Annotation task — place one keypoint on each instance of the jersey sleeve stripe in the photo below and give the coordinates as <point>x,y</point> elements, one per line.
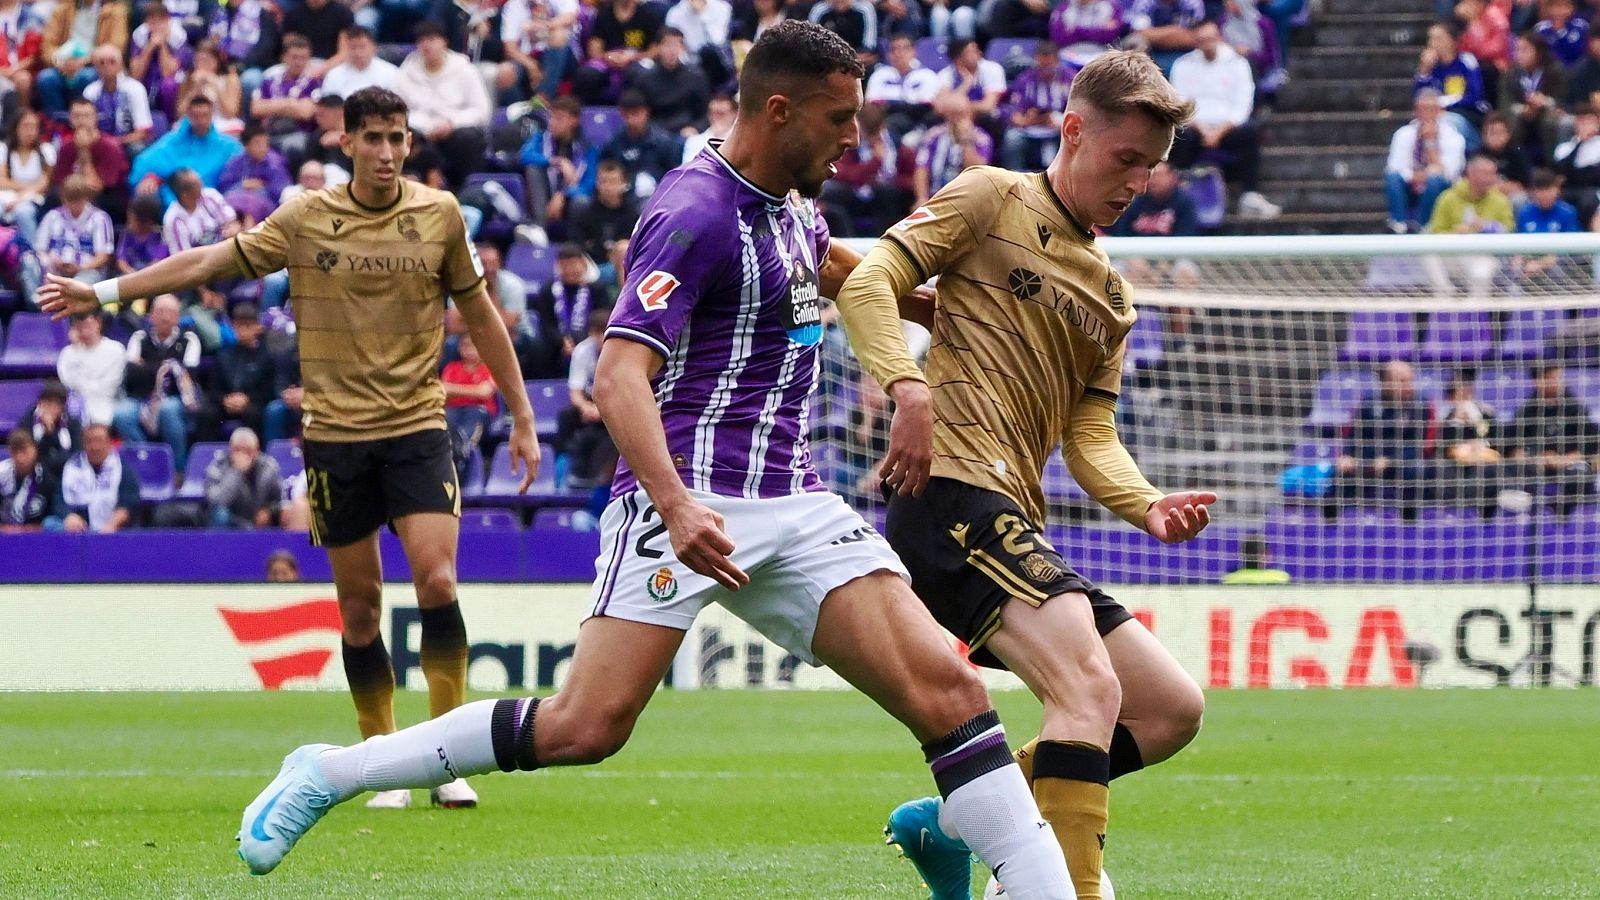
<point>1099,394</point>
<point>910,257</point>
<point>244,261</point>
<point>639,337</point>
<point>459,292</point>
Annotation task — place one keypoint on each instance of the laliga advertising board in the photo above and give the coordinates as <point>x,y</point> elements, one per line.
<point>252,637</point>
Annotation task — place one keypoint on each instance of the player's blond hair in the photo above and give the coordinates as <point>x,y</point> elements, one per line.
<point>1121,81</point>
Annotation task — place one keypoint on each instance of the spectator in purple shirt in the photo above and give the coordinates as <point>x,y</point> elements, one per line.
<point>285,104</point>
<point>1166,27</point>
<point>253,181</point>
<point>141,244</point>
<point>1565,33</point>
<point>248,34</point>
<point>121,103</point>
<point>1093,23</point>
<point>1033,109</point>
<point>158,52</point>
<point>951,148</point>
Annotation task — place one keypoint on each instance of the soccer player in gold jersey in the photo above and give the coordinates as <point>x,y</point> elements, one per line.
<point>1029,332</point>
<point>371,265</point>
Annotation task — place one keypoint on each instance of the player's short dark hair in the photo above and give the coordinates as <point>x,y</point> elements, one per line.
<point>428,28</point>
<point>19,440</point>
<point>371,102</point>
<point>358,31</point>
<point>330,101</point>
<point>292,41</point>
<point>1124,81</point>
<point>569,250</point>
<point>1543,178</point>
<point>788,54</point>
<point>146,208</point>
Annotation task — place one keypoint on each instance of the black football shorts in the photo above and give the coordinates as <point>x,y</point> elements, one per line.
<point>357,487</point>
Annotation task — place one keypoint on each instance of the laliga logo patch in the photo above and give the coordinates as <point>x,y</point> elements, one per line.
<point>920,214</point>
<point>655,289</point>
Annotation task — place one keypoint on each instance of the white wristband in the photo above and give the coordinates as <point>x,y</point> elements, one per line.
<point>107,291</point>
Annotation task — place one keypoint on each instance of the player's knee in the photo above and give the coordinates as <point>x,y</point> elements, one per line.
<point>361,616</point>
<point>1083,691</point>
<point>437,587</point>
<point>597,741</point>
<point>1184,716</point>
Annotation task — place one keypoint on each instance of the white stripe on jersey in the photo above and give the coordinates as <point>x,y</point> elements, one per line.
<point>705,441</point>
<point>801,457</point>
<point>675,365</point>
<point>759,441</point>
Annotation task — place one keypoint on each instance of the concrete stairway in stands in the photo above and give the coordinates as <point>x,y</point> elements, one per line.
<point>1349,88</point>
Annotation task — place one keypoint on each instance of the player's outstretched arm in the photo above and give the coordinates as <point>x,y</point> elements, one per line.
<point>628,406</point>
<point>62,297</point>
<point>489,333</point>
<point>1103,467</point>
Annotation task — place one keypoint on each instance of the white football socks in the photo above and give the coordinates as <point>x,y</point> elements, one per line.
<point>455,745</point>
<point>995,814</point>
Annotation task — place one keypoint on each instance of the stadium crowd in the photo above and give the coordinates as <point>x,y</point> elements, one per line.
<point>133,132</point>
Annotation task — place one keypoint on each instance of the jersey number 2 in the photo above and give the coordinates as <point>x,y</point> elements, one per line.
<point>642,549</point>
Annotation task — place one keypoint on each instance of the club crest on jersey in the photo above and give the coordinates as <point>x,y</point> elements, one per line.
<point>407,224</point>
<point>802,313</point>
<point>804,210</point>
<point>654,290</point>
<point>1114,291</point>
<point>662,586</point>
<point>920,214</point>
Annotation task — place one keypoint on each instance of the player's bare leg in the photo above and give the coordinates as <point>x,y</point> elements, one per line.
<point>879,637</point>
<point>430,541</point>
<point>1056,651</point>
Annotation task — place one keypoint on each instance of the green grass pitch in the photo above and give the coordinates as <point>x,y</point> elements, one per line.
<point>761,794</point>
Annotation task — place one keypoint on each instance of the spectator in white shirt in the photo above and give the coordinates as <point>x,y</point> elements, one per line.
<point>903,87</point>
<point>92,367</point>
<point>121,104</point>
<point>449,104</point>
<point>361,67</point>
<point>705,25</point>
<point>981,81</point>
<point>720,112</point>
<point>76,238</point>
<point>199,218</point>
<point>1426,156</point>
<point>1223,89</point>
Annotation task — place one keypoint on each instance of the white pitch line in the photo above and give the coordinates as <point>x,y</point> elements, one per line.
<point>885,775</point>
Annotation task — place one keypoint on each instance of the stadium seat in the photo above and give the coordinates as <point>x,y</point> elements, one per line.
<point>1337,396</point>
<point>1531,334</point>
<point>510,183</point>
<point>291,459</point>
<point>1504,390</point>
<point>549,397</point>
<point>1457,337</point>
<point>601,124</point>
<point>153,463</point>
<point>472,479</point>
<point>490,519</point>
<point>15,398</point>
<point>395,53</point>
<point>554,519</point>
<point>501,487</point>
<point>1210,195</point>
<point>1147,340</point>
<point>933,53</point>
<point>1378,336</point>
<point>32,344</point>
<point>1572,546</point>
<point>1014,54</point>
<point>535,265</point>
<point>194,473</point>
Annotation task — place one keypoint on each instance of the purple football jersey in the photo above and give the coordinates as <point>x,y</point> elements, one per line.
<point>722,282</point>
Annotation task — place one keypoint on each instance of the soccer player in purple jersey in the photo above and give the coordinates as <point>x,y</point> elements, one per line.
<point>703,380</point>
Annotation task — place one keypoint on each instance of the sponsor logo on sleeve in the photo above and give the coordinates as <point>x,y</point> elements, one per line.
<point>920,214</point>
<point>655,289</point>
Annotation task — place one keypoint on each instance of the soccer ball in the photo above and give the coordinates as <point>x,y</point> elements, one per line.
<point>995,890</point>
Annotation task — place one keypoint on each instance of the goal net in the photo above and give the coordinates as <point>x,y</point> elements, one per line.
<point>1403,433</point>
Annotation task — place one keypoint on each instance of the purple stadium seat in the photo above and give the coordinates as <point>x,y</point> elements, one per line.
<point>32,344</point>
<point>1504,390</point>
<point>1531,334</point>
<point>1379,336</point>
<point>1570,548</point>
<point>472,479</point>
<point>535,265</point>
<point>1338,394</point>
<point>1147,340</point>
<point>1060,488</point>
<point>512,184</point>
<point>15,398</point>
<point>501,487</point>
<point>601,124</point>
<point>1385,549</point>
<point>490,519</point>
<point>1584,385</point>
<point>1210,195</point>
<point>933,53</point>
<point>153,463</point>
<point>1013,53</point>
<point>194,472</point>
<point>549,397</point>
<point>1457,337</point>
<point>553,519</point>
<point>291,459</point>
